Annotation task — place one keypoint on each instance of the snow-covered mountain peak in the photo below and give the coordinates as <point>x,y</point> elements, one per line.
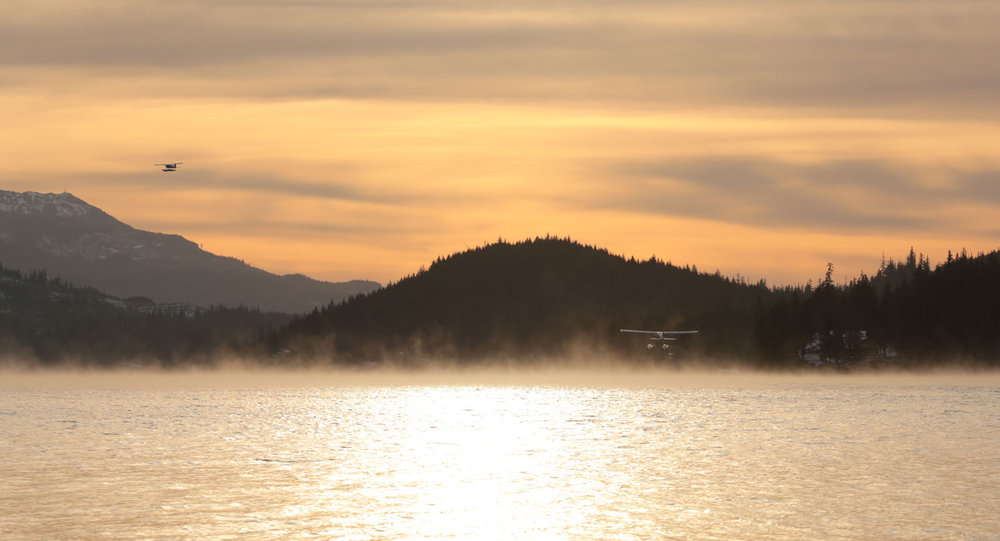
<point>26,203</point>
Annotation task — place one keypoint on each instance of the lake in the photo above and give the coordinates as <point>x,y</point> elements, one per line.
<point>543,455</point>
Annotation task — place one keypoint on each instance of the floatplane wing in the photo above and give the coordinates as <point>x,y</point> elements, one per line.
<point>658,335</point>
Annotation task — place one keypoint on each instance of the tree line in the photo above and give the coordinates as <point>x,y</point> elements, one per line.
<point>535,300</point>
<point>906,315</point>
<point>550,296</point>
<point>47,321</point>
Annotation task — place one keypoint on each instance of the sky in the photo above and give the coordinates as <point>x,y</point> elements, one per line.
<point>363,139</point>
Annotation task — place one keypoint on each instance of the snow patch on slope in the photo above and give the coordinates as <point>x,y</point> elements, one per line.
<point>27,203</point>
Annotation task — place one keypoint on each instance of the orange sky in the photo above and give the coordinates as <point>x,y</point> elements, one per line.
<point>364,139</point>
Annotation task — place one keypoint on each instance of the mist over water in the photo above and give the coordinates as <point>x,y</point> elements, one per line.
<point>587,373</point>
<point>590,453</point>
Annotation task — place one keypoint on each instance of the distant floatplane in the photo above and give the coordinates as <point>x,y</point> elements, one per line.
<point>168,167</point>
<point>658,336</point>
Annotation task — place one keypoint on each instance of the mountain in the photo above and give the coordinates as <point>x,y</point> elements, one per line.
<point>541,297</point>
<point>82,244</point>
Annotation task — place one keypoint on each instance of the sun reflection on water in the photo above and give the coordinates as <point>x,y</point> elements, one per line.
<point>483,461</point>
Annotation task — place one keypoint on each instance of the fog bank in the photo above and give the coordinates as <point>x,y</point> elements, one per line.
<point>563,376</point>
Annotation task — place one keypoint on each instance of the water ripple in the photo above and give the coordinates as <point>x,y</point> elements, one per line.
<point>506,462</point>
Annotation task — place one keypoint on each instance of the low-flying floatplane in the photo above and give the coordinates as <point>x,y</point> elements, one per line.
<point>658,336</point>
<point>168,167</point>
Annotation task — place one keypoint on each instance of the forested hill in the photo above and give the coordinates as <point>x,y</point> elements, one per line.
<point>535,300</point>
<point>545,296</point>
<point>47,321</point>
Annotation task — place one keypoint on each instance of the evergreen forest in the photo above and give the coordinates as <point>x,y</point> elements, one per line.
<point>551,297</point>
<point>535,301</point>
<point>49,322</point>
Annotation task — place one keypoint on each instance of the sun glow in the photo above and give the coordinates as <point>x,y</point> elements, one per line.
<point>480,463</point>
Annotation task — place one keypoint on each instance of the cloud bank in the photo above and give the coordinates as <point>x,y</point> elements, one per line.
<point>352,139</point>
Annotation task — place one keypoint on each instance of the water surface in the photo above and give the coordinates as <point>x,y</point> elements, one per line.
<point>646,456</point>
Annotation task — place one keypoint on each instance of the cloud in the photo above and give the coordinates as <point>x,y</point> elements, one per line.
<point>834,195</point>
<point>277,185</point>
<point>981,185</point>
<point>424,125</point>
<point>777,52</point>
